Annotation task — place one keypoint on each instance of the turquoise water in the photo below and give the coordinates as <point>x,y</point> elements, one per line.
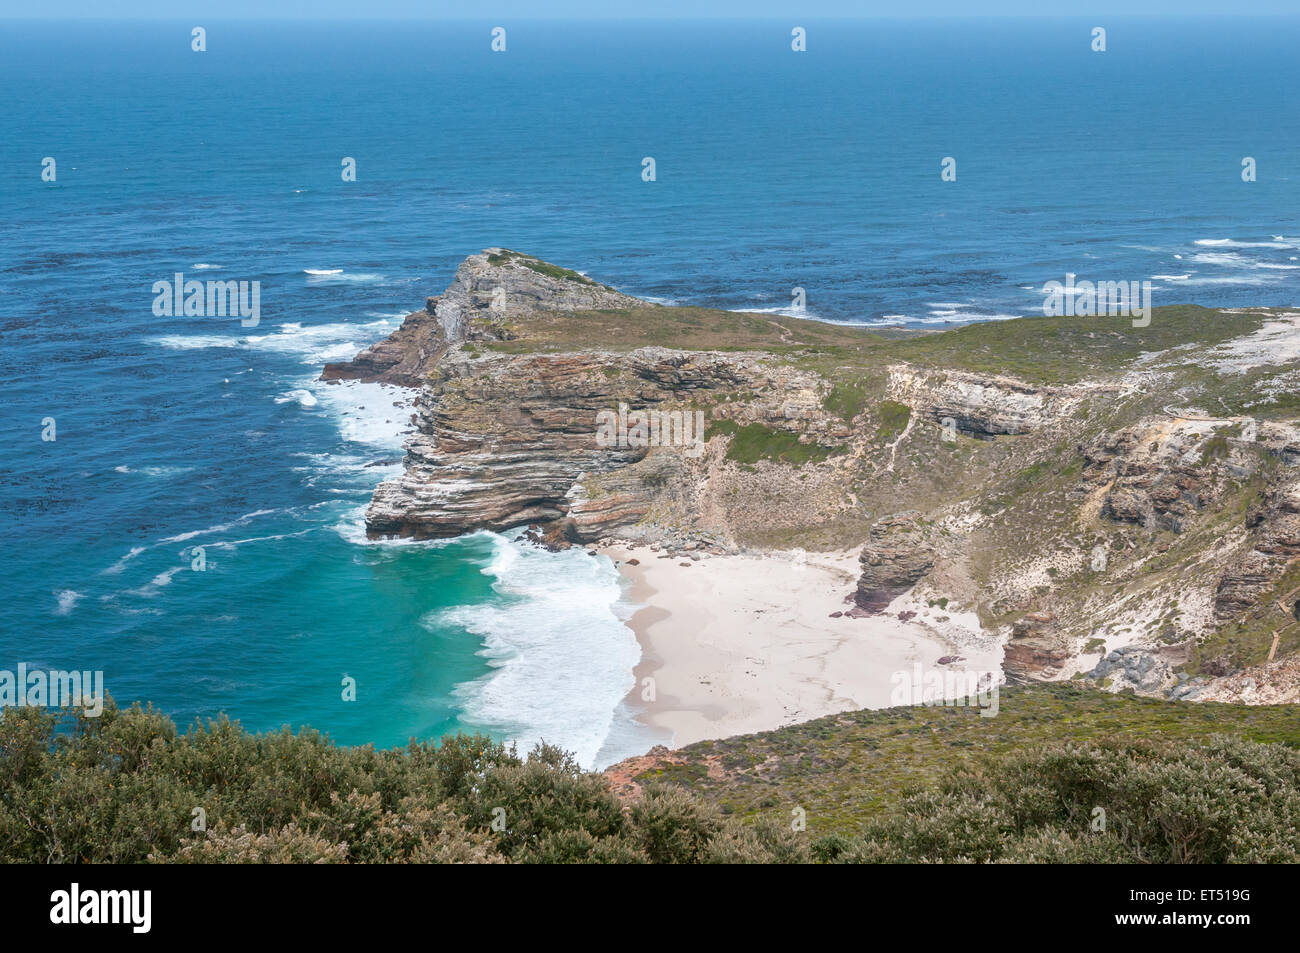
<point>774,169</point>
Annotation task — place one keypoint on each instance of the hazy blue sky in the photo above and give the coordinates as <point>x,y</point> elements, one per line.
<point>784,9</point>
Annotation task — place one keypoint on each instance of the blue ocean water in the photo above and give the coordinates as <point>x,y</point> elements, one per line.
<point>774,169</point>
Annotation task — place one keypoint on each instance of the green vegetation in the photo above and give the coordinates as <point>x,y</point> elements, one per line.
<point>901,785</point>
<point>539,266</point>
<point>893,418</point>
<point>753,442</point>
<point>1067,349</point>
<point>848,771</point>
<point>622,329</point>
<point>846,399</point>
<point>126,788</point>
<point>1222,802</point>
<point>1214,448</point>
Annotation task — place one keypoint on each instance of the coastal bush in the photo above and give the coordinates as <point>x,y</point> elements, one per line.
<point>753,442</point>
<point>126,787</point>
<point>846,399</point>
<point>1225,801</point>
<point>893,418</point>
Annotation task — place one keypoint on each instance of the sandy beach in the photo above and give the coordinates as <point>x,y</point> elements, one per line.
<point>744,643</point>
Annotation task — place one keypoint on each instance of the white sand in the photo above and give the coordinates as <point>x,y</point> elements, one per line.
<point>739,644</point>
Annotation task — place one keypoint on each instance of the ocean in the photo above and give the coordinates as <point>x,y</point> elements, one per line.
<point>773,170</point>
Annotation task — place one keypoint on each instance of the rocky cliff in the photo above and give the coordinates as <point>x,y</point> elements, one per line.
<point>491,293</point>
<point>1119,505</point>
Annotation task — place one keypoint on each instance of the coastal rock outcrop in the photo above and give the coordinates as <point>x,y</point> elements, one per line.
<point>504,440</point>
<point>492,293</point>
<point>897,555</point>
<point>1275,537</point>
<point>979,404</point>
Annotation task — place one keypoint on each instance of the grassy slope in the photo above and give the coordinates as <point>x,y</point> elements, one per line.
<point>845,770</point>
<point>1037,349</point>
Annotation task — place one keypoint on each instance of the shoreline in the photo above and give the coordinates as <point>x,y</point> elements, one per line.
<point>737,644</point>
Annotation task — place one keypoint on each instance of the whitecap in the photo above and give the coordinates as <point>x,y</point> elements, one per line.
<point>68,600</point>
<point>303,398</point>
<point>118,566</point>
<point>219,528</point>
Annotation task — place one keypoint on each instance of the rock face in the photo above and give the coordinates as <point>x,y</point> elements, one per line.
<point>897,555</point>
<point>402,358</point>
<point>1275,533</point>
<point>506,440</point>
<point>491,292</point>
<point>1136,668</point>
<point>1035,648</point>
<point>978,404</point>
<point>1154,475</point>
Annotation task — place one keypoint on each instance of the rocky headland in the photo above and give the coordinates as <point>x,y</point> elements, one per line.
<point>1118,506</point>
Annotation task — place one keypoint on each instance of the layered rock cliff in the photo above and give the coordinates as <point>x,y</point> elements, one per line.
<point>1034,474</point>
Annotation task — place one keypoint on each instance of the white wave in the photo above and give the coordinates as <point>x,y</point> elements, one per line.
<point>1171,277</point>
<point>338,274</point>
<point>1223,258</point>
<point>963,317</point>
<point>562,658</point>
<point>1230,243</point>
<point>314,344</point>
<point>1070,291</point>
<point>192,342</point>
<point>118,566</point>
<point>366,412</point>
<point>236,543</point>
<point>204,266</point>
<point>154,471</point>
<point>68,600</point>
<point>788,311</point>
<point>1239,279</point>
<point>303,398</point>
<point>151,588</point>
<point>219,528</point>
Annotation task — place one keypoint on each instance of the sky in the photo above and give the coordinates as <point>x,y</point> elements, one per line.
<point>587,9</point>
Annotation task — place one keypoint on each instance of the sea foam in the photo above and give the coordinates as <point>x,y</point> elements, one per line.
<point>562,657</point>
